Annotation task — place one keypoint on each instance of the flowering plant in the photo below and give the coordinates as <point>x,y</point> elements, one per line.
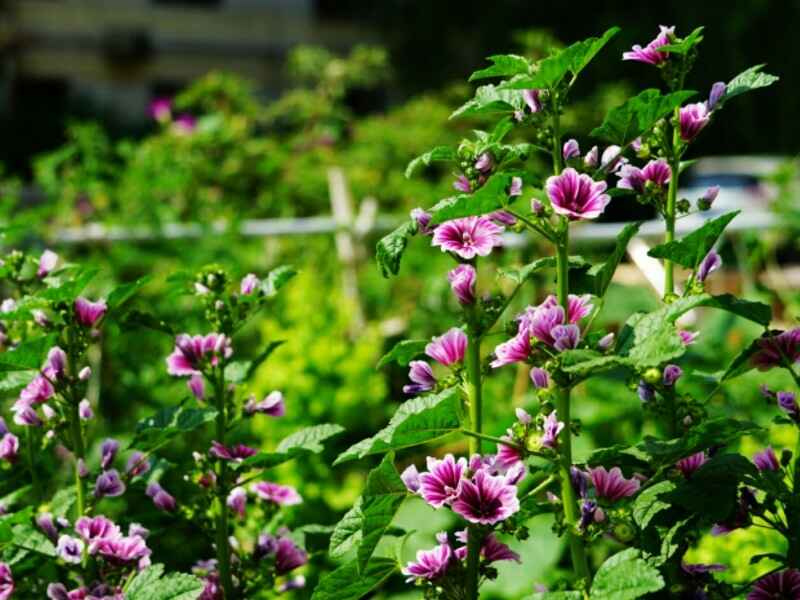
<point>654,498</point>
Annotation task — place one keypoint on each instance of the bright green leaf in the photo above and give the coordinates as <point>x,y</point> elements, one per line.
<point>380,501</point>
<point>390,248</point>
<point>504,65</point>
<point>440,153</point>
<point>156,430</point>
<point>152,584</point>
<point>491,196</point>
<point>748,80</point>
<point>625,576</point>
<point>690,250</point>
<point>403,352</point>
<point>347,582</point>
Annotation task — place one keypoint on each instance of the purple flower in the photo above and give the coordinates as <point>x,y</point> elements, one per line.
<point>462,184</point>
<point>37,391</point>
<point>540,378</point>
<point>533,98</point>
<point>282,495</point>
<point>550,430</point>
<point>484,163</point>
<point>421,374</point>
<point>40,317</point>
<point>690,464</point>
<point>191,351</point>
<point>137,464</point>
<point>468,237</point>
<point>462,282</point>
<point>123,550</point>
<point>606,342</point>
<point>273,405</point>
<point>612,159</point>
<point>515,189</point>
<point>693,117</point>
<point>410,477</point>
<point>45,522</point>
<point>576,195</point>
<point>162,499</point>
<point>197,386</point>
<point>92,529</point>
<point>70,549</point>
<point>486,499</point>
<point>571,149</point>
<point>688,337</point>
<point>449,348</point>
<point>783,584</point>
<point>236,453</point>
<point>6,582</point>
<point>249,284</point>
<point>56,364</point>
<point>611,485</point>
<point>288,556</point>
<point>766,460</point>
<point>430,564</point>
<point>423,220</point>
<point>237,501</point>
<point>109,484</point>
<point>773,349</point>
<point>108,451</point>
<point>788,404</point>
<point>700,569</point>
<point>592,158</point>
<point>502,217</point>
<point>522,415</point>
<point>507,455</point>
<point>717,92</point>
<point>184,124</point>
<point>537,207</point>
<point>25,415</point>
<point>671,374</point>
<point>89,313</point>
<point>9,447</point>
<point>565,337</point>
<point>47,262</point>
<point>540,321</point>
<point>709,196</point>
<point>439,485</point>
<point>651,54</point>
<point>588,510</point>
<point>633,178</point>
<point>708,265</point>
<point>494,550</point>
<point>85,411</point>
<point>160,109</point>
<point>517,349</point>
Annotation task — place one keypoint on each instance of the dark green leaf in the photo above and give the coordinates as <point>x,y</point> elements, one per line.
<point>504,65</point>
<point>152,584</point>
<point>390,248</point>
<point>382,497</point>
<point>347,582</point>
<point>628,459</point>
<point>742,363</point>
<point>491,196</point>
<point>28,355</point>
<point>693,248</point>
<point>648,503</point>
<point>625,576</point>
<point>137,318</point>
<point>403,352</point>
<point>568,595</point>
<point>239,371</point>
<point>748,80</point>
<point>758,312</point>
<point>638,115</point>
<point>315,537</point>
<point>71,288</point>
<point>417,421</point>
<point>440,153</point>
<point>276,279</point>
<point>167,423</point>
<point>686,44</point>
<point>347,533</point>
<point>121,294</point>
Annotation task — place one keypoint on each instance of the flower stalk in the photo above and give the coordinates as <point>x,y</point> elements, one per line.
<point>475,400</point>
<point>222,526</point>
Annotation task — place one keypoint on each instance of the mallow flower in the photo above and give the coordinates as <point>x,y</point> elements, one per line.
<point>687,466</point>
<point>9,447</point>
<point>708,265</point>
<point>429,564</point>
<point>633,178</point>
<point>273,405</point>
<point>577,196</point>
<point>766,460</point>
<point>288,556</point>
<point>692,119</point>
<point>421,376</point>
<point>191,352</point>
<point>571,149</point>
<point>449,348</point>
<point>773,348</point>
<point>611,485</point>
<point>468,237</point>
<point>774,586</point>
<point>109,484</point>
<point>282,495</point>
<point>70,549</point>
<point>550,430</point>
<point>462,281</point>
<point>486,499</point>
<point>717,93</point>
<point>439,484</point>
<point>88,313</point>
<point>651,54</point>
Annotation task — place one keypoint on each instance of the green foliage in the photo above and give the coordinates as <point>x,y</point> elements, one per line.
<point>380,501</point>
<point>403,352</point>
<point>440,153</point>
<point>28,355</point>
<point>301,443</point>
<point>690,250</point>
<point>348,582</point>
<point>491,196</point>
<point>747,81</point>
<point>391,247</point>
<point>152,584</point>
<point>685,45</point>
<point>168,423</point>
<point>625,576</point>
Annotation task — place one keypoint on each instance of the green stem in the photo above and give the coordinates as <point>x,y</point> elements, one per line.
<point>79,451</point>
<point>490,438</point>
<point>37,491</point>
<point>223,546</point>
<point>474,397</point>
<point>580,564</point>
<point>670,209</point>
<point>793,555</point>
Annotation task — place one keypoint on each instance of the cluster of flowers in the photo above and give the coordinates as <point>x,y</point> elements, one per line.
<point>161,110</point>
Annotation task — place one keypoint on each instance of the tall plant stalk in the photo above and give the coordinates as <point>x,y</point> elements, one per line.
<point>223,546</point>
<point>670,208</point>
<point>475,400</point>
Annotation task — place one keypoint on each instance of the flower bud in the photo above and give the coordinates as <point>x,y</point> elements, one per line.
<point>652,375</point>
<point>85,373</point>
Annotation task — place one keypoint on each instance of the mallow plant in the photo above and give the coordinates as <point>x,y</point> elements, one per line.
<point>654,498</point>
<point>64,534</point>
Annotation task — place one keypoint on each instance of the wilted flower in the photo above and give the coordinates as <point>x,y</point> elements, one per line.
<point>693,118</point>
<point>421,375</point>
<point>576,195</point>
<point>533,99</point>
<point>690,464</point>
<point>273,405</point>
<point>611,485</point>
<point>550,430</point>
<point>486,499</point>
<point>766,460</point>
<point>671,374</point>
<point>47,262</point>
<point>449,348</point>
<point>190,352</point>
<point>774,349</point>
<point>468,237</point>
<point>708,265</point>
<point>571,149</point>
<point>249,284</point>
<point>717,92</point>
<point>439,485</point>
<point>109,484</point>
<point>462,282</point>
<point>70,549</point>
<point>282,495</point>
<point>774,586</point>
<point>89,313</point>
<point>651,54</point>
<point>430,564</point>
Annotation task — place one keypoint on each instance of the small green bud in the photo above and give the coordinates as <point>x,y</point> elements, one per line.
<point>624,532</point>
<point>652,375</point>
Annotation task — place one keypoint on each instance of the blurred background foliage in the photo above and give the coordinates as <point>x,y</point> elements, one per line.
<point>369,111</point>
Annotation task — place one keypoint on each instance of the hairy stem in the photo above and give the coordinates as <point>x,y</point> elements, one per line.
<point>79,451</point>
<point>223,546</point>
<point>474,397</point>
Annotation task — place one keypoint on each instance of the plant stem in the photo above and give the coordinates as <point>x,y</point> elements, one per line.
<point>37,492</point>
<point>223,546</point>
<point>475,399</point>
<point>580,564</point>
<point>793,555</point>
<point>79,450</point>
<point>670,209</point>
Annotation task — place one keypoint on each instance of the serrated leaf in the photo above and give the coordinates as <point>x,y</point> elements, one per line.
<point>604,273</point>
<point>693,248</point>
<point>649,503</point>
<point>686,44</point>
<point>156,430</point>
<point>417,421</point>
<point>121,294</point>
<point>301,443</point>
<point>625,576</point>
<point>381,499</point>
<point>137,318</point>
<point>437,154</point>
<point>522,274</point>
<point>748,80</point>
<point>568,595</point>
<point>347,533</point>
<point>403,352</point>
<point>490,99</point>
<point>348,583</point>
<point>152,584</point>
<point>13,381</point>
<point>28,537</point>
<point>503,65</point>
<point>741,363</point>
<point>491,196</point>
<point>390,248</point>
<point>28,355</point>
<point>638,115</point>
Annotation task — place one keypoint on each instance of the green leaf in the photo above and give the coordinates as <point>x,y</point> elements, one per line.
<point>742,363</point>
<point>568,595</point>
<point>71,288</point>
<point>382,497</point>
<point>301,443</point>
<point>504,65</point>
<point>490,99</point>
<point>347,533</point>
<point>522,274</point>
<point>604,273</point>
<point>417,421</point>
<point>152,584</point>
<point>748,80</point>
<point>648,503</point>
<point>349,583</point>
<point>239,371</point>
<point>156,430</point>
<point>276,279</point>
<point>28,355</point>
<point>137,318</point>
<point>693,248</point>
<point>758,312</point>
<point>638,115</point>
<point>625,576</point>
<point>121,294</point>
<point>686,44</point>
<point>491,196</point>
<point>439,153</point>
<point>13,381</point>
<point>27,536</point>
<point>390,248</point>
<point>403,352</point>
